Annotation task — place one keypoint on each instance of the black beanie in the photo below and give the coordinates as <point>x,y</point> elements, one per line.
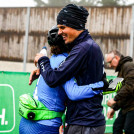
<point>73,16</point>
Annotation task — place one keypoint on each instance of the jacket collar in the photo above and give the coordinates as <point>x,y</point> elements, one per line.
<point>82,36</point>
<point>122,61</point>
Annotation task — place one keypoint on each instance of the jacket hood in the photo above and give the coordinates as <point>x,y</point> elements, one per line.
<point>122,61</point>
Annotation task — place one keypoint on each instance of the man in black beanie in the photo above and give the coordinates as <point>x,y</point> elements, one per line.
<point>73,16</point>
<point>85,62</point>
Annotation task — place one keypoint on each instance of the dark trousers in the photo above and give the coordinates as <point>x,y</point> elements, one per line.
<point>75,129</point>
<point>124,121</point>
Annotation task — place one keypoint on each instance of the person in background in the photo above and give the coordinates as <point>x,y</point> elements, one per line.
<point>85,62</point>
<point>124,100</point>
<point>55,98</point>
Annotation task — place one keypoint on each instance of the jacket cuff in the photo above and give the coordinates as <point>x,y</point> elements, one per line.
<point>115,99</point>
<point>115,107</point>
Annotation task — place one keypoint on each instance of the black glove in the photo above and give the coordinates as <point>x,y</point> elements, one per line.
<point>106,84</point>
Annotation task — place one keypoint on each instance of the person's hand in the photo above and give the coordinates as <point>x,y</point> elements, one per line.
<point>111,102</point>
<point>34,75</point>
<point>110,113</point>
<point>38,55</point>
<point>61,129</point>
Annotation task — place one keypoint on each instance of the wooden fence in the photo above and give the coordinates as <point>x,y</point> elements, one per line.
<point>109,26</point>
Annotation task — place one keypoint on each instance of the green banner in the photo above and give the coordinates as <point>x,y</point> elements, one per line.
<point>109,122</point>
<point>14,84</point>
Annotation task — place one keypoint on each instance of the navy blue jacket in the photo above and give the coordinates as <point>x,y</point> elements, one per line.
<point>85,62</point>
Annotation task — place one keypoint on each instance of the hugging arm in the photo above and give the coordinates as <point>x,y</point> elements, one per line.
<point>66,71</point>
<point>75,92</point>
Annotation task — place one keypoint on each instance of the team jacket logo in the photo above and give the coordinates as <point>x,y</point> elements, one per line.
<point>42,66</point>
